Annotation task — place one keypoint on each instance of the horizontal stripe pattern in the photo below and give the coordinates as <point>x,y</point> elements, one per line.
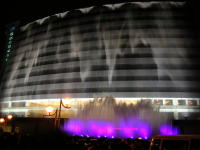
<point>129,51</point>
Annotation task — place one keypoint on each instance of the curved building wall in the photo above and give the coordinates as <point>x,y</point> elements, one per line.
<point>126,50</point>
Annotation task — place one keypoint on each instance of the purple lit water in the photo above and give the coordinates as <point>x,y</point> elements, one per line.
<point>96,128</point>
<point>168,130</point>
<point>106,118</point>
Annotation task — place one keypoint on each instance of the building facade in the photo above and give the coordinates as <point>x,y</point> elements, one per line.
<point>132,51</point>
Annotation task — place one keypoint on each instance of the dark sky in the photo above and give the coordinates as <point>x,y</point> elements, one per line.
<point>31,10</point>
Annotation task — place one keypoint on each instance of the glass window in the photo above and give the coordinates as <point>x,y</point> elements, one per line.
<point>181,102</point>
<point>4,105</point>
<point>10,38</point>
<point>192,102</point>
<point>18,104</point>
<point>168,102</point>
<point>12,28</point>
<point>146,101</point>
<point>158,102</point>
<point>9,46</point>
<point>175,145</point>
<point>11,33</point>
<point>10,42</point>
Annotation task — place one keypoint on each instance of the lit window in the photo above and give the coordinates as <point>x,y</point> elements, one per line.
<point>18,104</point>
<point>192,102</point>
<point>168,102</point>
<point>146,101</point>
<point>181,102</point>
<point>10,38</point>
<point>10,42</point>
<point>11,33</point>
<point>158,102</point>
<point>4,105</point>
<point>12,28</point>
<point>9,46</point>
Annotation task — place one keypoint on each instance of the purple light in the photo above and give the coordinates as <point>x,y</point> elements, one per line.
<point>126,129</point>
<point>74,126</point>
<point>123,121</point>
<point>144,130</point>
<point>135,128</point>
<point>100,128</point>
<point>168,130</point>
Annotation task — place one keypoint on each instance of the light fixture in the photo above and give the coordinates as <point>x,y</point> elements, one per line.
<point>9,117</point>
<point>49,109</point>
<point>2,120</point>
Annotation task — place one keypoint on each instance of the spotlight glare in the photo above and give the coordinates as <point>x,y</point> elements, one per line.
<point>2,120</point>
<point>49,109</point>
<point>9,117</point>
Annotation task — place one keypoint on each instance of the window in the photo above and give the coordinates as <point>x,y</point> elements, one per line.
<point>11,33</point>
<point>10,38</point>
<point>168,102</point>
<point>4,105</point>
<point>192,102</point>
<point>9,44</point>
<point>181,102</point>
<point>146,101</point>
<point>158,102</point>
<point>18,104</point>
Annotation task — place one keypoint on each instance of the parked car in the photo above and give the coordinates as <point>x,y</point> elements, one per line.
<point>175,142</point>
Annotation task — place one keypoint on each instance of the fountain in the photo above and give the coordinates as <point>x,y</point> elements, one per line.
<point>129,50</point>
<point>104,117</point>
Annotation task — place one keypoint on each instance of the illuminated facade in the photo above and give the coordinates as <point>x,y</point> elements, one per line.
<point>132,51</point>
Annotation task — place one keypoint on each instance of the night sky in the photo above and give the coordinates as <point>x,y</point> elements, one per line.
<point>31,10</point>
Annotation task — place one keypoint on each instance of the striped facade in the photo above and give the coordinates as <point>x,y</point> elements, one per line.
<point>129,50</point>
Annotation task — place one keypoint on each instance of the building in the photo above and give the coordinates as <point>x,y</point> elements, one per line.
<point>133,51</point>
